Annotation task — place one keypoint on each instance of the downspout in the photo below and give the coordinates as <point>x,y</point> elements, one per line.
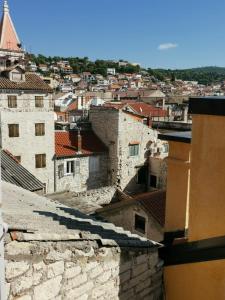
<point>3,230</point>
<point>54,158</point>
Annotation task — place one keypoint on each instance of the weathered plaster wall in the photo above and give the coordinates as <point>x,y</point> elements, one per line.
<point>27,144</point>
<point>81,270</point>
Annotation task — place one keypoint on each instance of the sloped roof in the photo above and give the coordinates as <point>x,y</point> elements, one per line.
<point>66,143</point>
<point>34,218</point>
<point>13,172</point>
<point>147,110</point>
<point>32,82</point>
<point>155,204</point>
<point>8,36</point>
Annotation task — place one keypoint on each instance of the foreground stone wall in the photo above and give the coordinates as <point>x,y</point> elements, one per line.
<point>81,270</point>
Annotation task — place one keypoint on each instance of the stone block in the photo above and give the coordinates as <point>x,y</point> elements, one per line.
<point>15,248</point>
<point>55,269</point>
<point>48,289</point>
<point>142,259</point>
<point>138,269</point>
<point>104,277</point>
<point>72,283</point>
<point>79,291</point>
<point>96,272</point>
<point>125,276</point>
<point>72,272</point>
<point>53,256</point>
<point>21,284</point>
<point>27,297</point>
<point>14,269</point>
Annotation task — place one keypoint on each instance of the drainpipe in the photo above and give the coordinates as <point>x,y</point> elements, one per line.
<point>3,230</point>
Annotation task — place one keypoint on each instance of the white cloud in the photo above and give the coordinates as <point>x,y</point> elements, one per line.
<point>167,46</point>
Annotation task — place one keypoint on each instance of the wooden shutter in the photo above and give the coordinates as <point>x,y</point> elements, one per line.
<point>40,160</point>
<point>12,101</point>
<point>13,130</point>
<point>39,101</point>
<point>39,129</point>
<point>61,170</point>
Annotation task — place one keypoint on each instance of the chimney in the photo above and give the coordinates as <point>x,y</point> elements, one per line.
<point>79,141</point>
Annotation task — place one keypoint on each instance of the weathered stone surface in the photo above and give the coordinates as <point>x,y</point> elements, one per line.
<point>90,266</point>
<point>55,269</point>
<point>39,266</point>
<point>15,269</point>
<point>21,284</point>
<point>27,297</point>
<point>72,272</point>
<point>125,276</point>
<point>48,290</point>
<point>56,256</point>
<point>96,271</point>
<point>14,248</point>
<point>79,291</point>
<point>139,269</point>
<point>72,283</point>
<point>104,277</point>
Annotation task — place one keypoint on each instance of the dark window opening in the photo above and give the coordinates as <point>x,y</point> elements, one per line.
<point>153,181</point>
<point>140,223</point>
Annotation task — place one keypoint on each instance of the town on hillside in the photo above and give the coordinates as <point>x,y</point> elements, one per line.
<point>104,168</point>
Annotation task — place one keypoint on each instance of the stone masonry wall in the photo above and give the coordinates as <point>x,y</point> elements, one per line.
<point>81,270</point>
<point>83,180</point>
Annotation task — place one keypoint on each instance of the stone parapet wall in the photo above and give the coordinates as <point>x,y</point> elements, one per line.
<point>81,270</point>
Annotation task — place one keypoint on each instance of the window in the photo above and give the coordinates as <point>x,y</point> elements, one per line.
<point>153,181</point>
<point>39,129</point>
<point>13,130</point>
<point>39,101</point>
<point>139,224</point>
<point>69,167</point>
<point>94,164</point>
<point>61,170</point>
<point>134,150</point>
<point>18,158</point>
<point>12,101</point>
<point>40,161</point>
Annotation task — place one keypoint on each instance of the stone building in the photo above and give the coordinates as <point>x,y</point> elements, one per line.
<point>80,162</point>
<point>27,122</point>
<point>130,144</point>
<point>26,110</point>
<point>143,214</point>
<point>55,252</point>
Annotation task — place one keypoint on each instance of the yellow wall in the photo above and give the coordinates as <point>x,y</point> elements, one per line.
<point>207,185</point>
<point>197,281</point>
<point>177,186</point>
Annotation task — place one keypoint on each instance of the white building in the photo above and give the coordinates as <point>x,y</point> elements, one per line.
<point>26,112</point>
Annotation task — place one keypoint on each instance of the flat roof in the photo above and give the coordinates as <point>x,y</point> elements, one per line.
<point>178,136</point>
<point>211,105</point>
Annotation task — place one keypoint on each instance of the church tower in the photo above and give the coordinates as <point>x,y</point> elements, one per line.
<point>11,51</point>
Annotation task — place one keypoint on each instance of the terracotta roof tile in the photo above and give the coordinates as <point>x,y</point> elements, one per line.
<point>32,82</point>
<point>147,109</point>
<point>66,143</point>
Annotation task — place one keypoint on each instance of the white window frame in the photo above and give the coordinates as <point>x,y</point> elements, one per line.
<point>71,167</point>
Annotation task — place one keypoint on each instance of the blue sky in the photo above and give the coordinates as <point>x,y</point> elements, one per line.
<point>191,32</point>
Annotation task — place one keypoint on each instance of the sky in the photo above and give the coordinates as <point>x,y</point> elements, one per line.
<point>154,33</point>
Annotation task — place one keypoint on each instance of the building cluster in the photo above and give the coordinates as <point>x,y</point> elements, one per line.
<point>84,165</point>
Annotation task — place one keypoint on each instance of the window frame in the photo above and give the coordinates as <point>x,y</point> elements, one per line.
<point>37,103</point>
<point>12,98</point>
<point>38,128</point>
<point>141,219</point>
<point>15,130</point>
<point>69,165</point>
<point>134,150</point>
<point>42,164</point>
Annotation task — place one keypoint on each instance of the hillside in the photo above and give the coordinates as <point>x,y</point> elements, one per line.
<point>204,75</point>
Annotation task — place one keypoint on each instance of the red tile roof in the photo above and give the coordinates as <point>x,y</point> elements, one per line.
<point>72,106</point>
<point>66,143</point>
<point>147,110</point>
<point>33,82</point>
<point>155,204</point>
